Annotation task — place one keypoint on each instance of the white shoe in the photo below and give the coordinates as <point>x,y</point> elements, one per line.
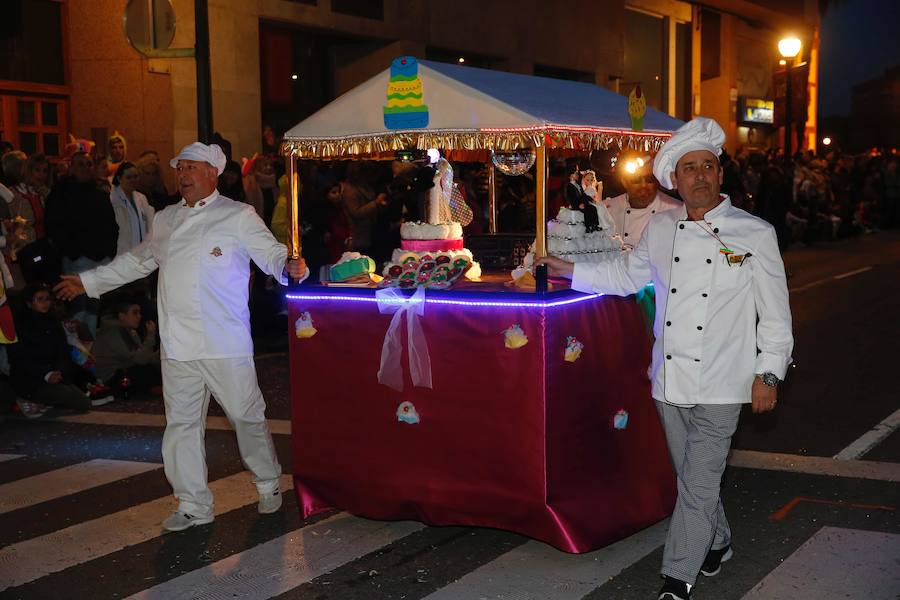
<point>102,401</point>
<point>179,521</point>
<point>269,502</point>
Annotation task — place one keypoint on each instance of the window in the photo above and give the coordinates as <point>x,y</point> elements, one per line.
<point>645,64</point>
<point>369,9</point>
<point>683,71</point>
<point>37,57</point>
<point>33,124</point>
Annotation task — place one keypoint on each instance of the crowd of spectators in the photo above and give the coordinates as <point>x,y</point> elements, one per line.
<point>80,211</point>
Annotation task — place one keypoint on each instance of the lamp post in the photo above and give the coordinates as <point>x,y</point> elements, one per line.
<point>789,48</point>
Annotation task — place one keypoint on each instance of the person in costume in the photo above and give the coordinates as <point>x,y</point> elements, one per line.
<point>116,150</point>
<point>202,247</point>
<point>723,335</point>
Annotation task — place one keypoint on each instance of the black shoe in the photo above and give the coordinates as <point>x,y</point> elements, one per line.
<point>713,563</point>
<point>674,589</point>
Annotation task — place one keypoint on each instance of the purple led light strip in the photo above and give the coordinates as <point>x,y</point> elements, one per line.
<point>495,303</point>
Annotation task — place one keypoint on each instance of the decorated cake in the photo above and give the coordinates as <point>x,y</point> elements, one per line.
<point>405,108</point>
<point>568,239</point>
<point>431,254</point>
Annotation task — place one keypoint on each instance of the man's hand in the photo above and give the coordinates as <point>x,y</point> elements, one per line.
<point>69,288</point>
<point>556,267</point>
<point>296,268</point>
<point>150,326</point>
<point>54,377</point>
<point>762,396</point>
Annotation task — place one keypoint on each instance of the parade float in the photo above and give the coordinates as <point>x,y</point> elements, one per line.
<point>458,400</point>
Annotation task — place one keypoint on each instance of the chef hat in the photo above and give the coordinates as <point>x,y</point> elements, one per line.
<point>697,134</point>
<point>211,154</point>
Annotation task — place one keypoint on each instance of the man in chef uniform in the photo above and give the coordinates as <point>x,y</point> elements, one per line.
<point>203,246</point>
<point>642,199</point>
<point>716,269</point>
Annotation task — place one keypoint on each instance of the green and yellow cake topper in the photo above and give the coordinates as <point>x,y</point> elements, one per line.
<point>637,108</point>
<point>405,108</point>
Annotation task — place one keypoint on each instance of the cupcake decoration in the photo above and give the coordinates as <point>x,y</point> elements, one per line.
<point>304,326</point>
<point>573,349</point>
<point>514,337</point>
<point>406,413</point>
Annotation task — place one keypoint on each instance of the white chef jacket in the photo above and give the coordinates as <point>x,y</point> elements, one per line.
<point>203,254</point>
<point>706,327</point>
<point>630,222</point>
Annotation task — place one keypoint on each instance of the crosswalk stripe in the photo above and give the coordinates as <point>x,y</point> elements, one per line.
<point>285,562</point>
<point>836,563</point>
<point>815,465</point>
<point>121,419</point>
<point>68,480</point>
<point>536,570</point>
<point>6,457</point>
<point>32,559</point>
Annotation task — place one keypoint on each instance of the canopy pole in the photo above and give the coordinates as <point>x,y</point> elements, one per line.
<point>492,196</point>
<point>540,195</point>
<point>294,206</point>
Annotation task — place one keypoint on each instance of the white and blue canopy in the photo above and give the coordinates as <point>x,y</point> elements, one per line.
<point>477,109</point>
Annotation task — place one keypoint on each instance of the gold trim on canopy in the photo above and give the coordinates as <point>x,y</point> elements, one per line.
<point>550,136</point>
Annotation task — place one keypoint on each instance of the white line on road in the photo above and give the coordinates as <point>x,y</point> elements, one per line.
<point>284,563</point>
<point>871,438</point>
<point>32,559</point>
<point>815,465</point>
<point>122,419</point>
<point>818,282</point>
<point>836,563</point>
<point>537,570</point>
<point>68,480</point>
<point>6,457</point>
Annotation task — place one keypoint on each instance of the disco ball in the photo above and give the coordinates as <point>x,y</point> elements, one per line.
<point>513,163</point>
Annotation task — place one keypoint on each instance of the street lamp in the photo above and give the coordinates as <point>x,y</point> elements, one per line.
<point>789,48</point>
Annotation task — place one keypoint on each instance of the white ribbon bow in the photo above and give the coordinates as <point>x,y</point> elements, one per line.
<point>390,373</point>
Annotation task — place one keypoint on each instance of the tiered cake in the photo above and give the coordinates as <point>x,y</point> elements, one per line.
<point>568,239</point>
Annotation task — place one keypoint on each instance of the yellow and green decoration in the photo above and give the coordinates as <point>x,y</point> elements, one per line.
<point>405,108</point>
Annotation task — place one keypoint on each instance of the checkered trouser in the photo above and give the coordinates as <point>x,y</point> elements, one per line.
<point>699,439</point>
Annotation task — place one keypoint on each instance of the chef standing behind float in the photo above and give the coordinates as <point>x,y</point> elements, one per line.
<point>717,270</point>
<point>642,199</point>
<point>203,246</point>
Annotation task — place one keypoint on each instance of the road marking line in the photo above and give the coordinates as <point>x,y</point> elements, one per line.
<point>6,457</point>
<point>38,557</point>
<point>68,480</point>
<point>284,563</point>
<point>836,563</point>
<point>782,513</point>
<point>815,465</point>
<point>122,419</point>
<point>871,438</point>
<point>537,570</point>
<point>818,282</point>
<point>852,273</point>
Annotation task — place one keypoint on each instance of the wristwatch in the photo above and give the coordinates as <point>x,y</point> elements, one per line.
<point>768,378</point>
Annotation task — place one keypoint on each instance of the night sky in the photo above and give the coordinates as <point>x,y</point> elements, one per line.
<point>860,40</point>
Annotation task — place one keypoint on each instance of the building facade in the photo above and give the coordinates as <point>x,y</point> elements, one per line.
<point>274,62</point>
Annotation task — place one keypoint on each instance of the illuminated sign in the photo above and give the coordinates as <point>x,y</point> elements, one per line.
<point>756,110</point>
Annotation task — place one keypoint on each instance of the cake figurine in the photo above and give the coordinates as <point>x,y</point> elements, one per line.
<point>404,108</point>
<point>573,349</point>
<point>637,108</point>
<point>620,419</point>
<point>514,337</point>
<point>304,326</point>
<point>431,254</point>
<point>406,413</point>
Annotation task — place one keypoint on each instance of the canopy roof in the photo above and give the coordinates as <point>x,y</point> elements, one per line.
<point>475,109</point>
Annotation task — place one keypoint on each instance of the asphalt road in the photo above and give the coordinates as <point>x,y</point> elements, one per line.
<point>81,496</point>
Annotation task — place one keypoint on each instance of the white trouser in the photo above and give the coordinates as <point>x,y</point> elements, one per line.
<point>187,386</point>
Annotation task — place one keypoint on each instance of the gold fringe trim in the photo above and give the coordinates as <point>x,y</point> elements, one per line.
<point>500,141</point>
